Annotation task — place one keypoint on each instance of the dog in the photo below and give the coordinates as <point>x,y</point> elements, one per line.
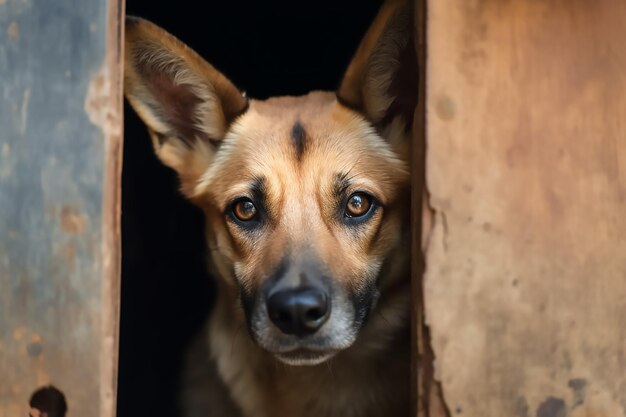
<point>307,206</point>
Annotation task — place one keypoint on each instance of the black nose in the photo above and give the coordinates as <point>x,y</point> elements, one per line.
<point>299,311</point>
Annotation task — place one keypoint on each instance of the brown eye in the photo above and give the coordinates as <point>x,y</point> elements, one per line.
<point>358,205</point>
<point>244,210</point>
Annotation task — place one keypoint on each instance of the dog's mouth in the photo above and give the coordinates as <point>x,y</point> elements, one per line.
<point>303,346</point>
<point>305,357</point>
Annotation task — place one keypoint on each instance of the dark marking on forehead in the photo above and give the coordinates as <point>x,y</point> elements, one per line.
<point>298,136</point>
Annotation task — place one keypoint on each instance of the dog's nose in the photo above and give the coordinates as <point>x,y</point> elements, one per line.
<point>299,311</point>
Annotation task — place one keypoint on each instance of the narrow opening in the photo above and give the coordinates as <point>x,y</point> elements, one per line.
<point>268,49</point>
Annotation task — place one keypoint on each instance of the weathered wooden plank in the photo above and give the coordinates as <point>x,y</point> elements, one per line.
<point>426,400</point>
<point>526,166</point>
<point>60,107</point>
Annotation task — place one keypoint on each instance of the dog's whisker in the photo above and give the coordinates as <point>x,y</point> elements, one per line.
<point>384,319</point>
<point>330,370</point>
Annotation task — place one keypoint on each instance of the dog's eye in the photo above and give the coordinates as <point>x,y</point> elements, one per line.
<point>244,210</point>
<point>358,205</point>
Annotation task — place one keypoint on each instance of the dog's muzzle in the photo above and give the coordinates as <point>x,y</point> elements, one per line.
<point>303,316</point>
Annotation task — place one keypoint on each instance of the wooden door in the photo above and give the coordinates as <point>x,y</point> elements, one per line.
<point>525,283</point>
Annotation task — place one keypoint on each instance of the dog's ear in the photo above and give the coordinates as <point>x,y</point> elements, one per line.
<point>381,80</point>
<point>186,103</point>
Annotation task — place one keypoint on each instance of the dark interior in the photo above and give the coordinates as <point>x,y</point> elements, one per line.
<point>266,48</point>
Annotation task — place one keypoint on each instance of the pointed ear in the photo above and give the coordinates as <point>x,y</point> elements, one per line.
<point>186,103</point>
<point>381,81</point>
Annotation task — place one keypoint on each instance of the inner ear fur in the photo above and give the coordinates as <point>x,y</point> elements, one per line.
<point>381,81</point>
<point>186,103</point>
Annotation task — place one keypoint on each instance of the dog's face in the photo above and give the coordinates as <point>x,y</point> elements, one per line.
<point>305,197</point>
<point>304,202</point>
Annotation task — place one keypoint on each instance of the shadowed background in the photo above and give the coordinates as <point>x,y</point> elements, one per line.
<point>266,48</point>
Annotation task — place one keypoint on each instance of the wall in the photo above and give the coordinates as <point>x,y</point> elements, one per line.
<point>526,169</point>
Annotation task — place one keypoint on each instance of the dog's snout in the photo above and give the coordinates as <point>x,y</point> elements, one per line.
<point>299,311</point>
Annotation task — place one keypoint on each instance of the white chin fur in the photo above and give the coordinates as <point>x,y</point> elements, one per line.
<point>305,360</point>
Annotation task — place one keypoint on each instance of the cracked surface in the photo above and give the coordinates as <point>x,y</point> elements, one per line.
<point>526,172</point>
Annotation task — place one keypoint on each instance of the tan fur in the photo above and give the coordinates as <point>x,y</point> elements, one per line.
<point>370,379</point>
<point>229,142</point>
<point>218,101</point>
<point>369,74</point>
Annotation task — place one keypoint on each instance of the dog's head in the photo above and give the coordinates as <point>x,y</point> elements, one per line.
<point>306,198</point>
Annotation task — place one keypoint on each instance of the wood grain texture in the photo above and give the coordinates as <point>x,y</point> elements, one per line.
<point>525,287</point>
<point>60,153</point>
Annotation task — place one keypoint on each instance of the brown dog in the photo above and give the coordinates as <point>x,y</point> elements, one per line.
<point>306,202</point>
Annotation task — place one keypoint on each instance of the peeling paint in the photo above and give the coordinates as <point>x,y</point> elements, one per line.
<point>521,407</point>
<point>18,334</point>
<point>69,254</point>
<point>34,349</point>
<point>24,111</point>
<point>578,386</point>
<point>100,105</point>
<point>13,31</point>
<point>435,245</point>
<point>72,221</point>
<point>446,108</point>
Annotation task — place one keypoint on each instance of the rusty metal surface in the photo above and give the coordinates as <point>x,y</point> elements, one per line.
<point>59,153</point>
